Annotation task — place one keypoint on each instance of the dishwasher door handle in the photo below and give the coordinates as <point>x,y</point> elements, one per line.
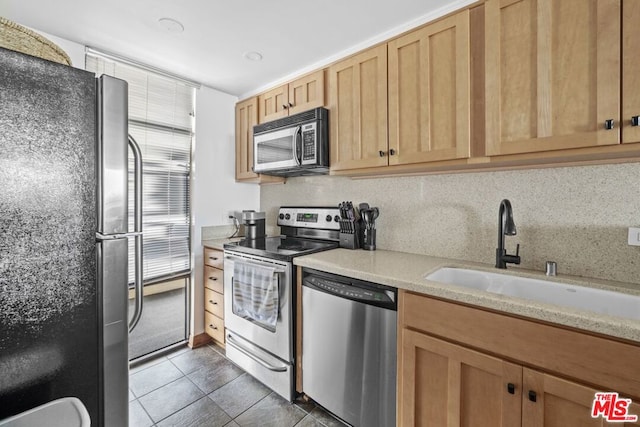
<point>235,344</point>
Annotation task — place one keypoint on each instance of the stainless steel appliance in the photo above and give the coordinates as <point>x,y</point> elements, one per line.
<point>293,146</point>
<point>63,238</point>
<point>259,293</point>
<point>349,347</point>
<point>254,225</point>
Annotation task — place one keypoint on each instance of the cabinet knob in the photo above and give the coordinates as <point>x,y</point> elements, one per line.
<point>609,124</point>
<point>511,388</point>
<point>290,105</point>
<point>381,153</point>
<point>392,152</point>
<point>635,120</point>
<point>533,396</point>
<point>285,106</point>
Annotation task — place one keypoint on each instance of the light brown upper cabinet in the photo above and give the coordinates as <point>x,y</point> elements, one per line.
<point>552,74</point>
<point>424,86</point>
<point>429,93</point>
<point>358,110</point>
<point>300,95</point>
<point>246,119</point>
<point>630,71</point>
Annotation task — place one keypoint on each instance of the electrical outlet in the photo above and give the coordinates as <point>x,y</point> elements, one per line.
<point>634,236</point>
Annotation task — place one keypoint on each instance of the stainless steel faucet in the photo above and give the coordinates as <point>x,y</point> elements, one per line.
<point>506,227</point>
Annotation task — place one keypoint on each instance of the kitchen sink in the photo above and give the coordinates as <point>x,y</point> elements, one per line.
<point>545,291</point>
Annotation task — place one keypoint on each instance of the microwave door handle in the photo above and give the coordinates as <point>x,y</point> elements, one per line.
<point>297,155</point>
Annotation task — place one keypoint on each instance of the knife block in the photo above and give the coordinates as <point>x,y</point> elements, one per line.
<point>350,234</point>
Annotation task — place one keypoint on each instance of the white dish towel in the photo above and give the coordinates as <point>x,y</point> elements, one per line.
<point>255,293</point>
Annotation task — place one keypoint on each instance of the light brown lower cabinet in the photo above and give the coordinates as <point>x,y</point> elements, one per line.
<point>561,403</point>
<point>449,385</point>
<point>213,294</point>
<point>503,371</point>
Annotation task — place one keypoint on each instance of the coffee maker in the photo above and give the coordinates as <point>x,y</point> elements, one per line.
<point>254,225</point>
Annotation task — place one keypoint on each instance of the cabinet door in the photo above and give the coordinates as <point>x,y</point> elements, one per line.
<point>246,119</point>
<point>429,93</point>
<point>552,74</point>
<point>630,69</point>
<point>561,403</point>
<point>442,384</point>
<point>306,93</point>
<point>358,110</point>
<point>273,104</point>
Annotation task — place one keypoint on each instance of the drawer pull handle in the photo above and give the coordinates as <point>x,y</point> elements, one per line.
<point>213,278</point>
<point>213,327</point>
<point>511,388</point>
<point>213,302</point>
<point>609,124</point>
<point>533,396</point>
<point>635,120</point>
<point>213,258</point>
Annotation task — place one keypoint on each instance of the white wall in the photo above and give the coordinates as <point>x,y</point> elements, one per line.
<point>73,49</point>
<point>214,190</point>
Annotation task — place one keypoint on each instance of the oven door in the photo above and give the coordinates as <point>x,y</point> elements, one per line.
<point>278,149</point>
<point>278,339</point>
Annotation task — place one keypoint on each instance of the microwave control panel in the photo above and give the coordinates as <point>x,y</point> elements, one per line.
<point>309,143</point>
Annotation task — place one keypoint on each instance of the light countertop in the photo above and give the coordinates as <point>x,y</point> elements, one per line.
<point>407,271</point>
<point>219,243</point>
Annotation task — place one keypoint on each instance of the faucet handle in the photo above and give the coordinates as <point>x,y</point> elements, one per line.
<point>518,249</point>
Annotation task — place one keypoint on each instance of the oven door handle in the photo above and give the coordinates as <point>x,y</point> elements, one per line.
<point>262,264</point>
<point>235,344</point>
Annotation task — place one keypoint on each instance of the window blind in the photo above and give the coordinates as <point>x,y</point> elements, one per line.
<point>161,120</point>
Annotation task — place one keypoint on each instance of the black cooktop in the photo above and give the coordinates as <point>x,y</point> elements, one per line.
<point>281,248</point>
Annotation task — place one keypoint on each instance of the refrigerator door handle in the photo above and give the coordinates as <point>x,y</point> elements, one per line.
<point>137,231</point>
<point>101,237</point>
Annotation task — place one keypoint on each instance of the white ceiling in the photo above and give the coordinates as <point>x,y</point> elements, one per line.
<point>293,35</point>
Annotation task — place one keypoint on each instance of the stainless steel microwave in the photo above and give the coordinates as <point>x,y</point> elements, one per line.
<point>293,146</point>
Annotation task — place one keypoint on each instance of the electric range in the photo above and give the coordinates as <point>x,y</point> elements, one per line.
<point>260,293</point>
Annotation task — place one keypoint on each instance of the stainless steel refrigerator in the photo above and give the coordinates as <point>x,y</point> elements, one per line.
<point>63,238</point>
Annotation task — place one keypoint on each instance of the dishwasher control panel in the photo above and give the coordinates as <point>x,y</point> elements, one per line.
<point>350,291</point>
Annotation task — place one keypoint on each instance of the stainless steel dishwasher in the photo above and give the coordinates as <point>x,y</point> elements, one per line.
<point>349,347</point>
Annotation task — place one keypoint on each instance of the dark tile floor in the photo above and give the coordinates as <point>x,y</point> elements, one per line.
<point>202,388</point>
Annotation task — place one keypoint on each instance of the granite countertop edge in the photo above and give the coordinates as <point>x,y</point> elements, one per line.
<point>407,271</point>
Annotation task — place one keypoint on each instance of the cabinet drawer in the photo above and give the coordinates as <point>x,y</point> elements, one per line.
<point>214,258</point>
<point>214,327</point>
<point>213,303</point>
<point>213,279</point>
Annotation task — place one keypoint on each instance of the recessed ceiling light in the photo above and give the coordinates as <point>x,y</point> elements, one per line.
<point>171,25</point>
<point>253,56</point>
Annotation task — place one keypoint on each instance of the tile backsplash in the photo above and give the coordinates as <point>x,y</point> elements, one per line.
<point>576,216</point>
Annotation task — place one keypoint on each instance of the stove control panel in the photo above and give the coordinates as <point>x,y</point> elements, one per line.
<point>305,217</point>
